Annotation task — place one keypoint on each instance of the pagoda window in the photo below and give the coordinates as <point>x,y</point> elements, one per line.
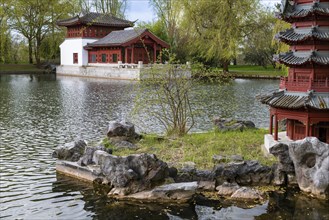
<point>103,58</point>
<point>303,77</point>
<point>75,57</point>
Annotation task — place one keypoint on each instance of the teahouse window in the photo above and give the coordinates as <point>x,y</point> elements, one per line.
<point>75,57</point>
<point>103,58</point>
<point>93,58</point>
<point>114,58</point>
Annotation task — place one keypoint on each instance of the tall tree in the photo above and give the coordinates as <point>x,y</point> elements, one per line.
<point>34,20</point>
<point>5,36</point>
<point>114,7</point>
<point>218,27</point>
<point>257,45</point>
<point>169,13</point>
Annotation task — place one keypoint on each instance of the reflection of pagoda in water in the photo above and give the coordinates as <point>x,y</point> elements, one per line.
<point>303,97</point>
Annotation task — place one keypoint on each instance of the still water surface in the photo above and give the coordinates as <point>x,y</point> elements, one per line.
<point>37,113</point>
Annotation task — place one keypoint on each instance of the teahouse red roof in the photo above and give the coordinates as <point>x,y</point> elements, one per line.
<point>126,37</point>
<point>96,19</point>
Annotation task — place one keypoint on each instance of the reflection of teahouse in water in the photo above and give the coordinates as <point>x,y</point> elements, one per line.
<point>303,97</point>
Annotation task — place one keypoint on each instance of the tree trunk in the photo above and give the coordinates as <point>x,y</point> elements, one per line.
<point>225,65</point>
<point>30,51</point>
<point>37,52</point>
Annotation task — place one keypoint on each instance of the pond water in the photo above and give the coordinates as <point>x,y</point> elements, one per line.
<point>37,113</point>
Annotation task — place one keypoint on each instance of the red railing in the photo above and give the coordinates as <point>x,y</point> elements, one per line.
<point>320,85</point>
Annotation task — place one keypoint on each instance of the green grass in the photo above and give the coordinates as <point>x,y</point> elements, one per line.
<point>12,68</point>
<point>200,147</point>
<point>249,70</point>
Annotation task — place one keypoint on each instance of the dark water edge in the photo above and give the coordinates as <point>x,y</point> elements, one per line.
<point>288,203</point>
<point>39,112</point>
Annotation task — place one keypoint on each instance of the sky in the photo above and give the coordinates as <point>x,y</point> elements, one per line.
<point>141,10</point>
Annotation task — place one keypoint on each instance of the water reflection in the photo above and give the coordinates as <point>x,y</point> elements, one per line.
<point>96,202</point>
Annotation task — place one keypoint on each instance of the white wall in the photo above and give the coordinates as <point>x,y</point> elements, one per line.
<point>75,45</point>
<point>99,72</point>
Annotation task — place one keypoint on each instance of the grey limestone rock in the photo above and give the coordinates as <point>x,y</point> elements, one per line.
<point>311,161</point>
<point>230,124</point>
<point>174,192</point>
<point>227,189</point>
<point>133,173</point>
<point>87,157</point>
<point>70,151</point>
<point>122,131</point>
<point>226,158</point>
<point>248,172</point>
<point>247,193</point>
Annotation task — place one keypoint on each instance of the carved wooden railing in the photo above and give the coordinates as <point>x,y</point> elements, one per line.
<point>318,85</point>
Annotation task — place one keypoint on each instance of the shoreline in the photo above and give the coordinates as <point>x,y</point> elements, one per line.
<point>46,72</point>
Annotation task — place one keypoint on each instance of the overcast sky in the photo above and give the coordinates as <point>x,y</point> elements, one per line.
<point>141,10</point>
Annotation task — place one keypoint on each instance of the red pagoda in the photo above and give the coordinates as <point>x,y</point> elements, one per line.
<point>303,96</point>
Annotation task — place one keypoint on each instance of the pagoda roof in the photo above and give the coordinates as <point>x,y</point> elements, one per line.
<point>303,34</point>
<point>122,37</point>
<point>297,100</point>
<point>301,58</point>
<point>97,19</point>
<point>291,10</point>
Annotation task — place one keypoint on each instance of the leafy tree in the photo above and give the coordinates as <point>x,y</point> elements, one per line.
<point>156,28</point>
<point>218,27</point>
<point>5,36</point>
<point>34,20</point>
<point>257,46</point>
<point>114,7</point>
<point>169,13</point>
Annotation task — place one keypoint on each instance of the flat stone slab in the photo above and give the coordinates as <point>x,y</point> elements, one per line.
<point>87,173</point>
<point>175,192</point>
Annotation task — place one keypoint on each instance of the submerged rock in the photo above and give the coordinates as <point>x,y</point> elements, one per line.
<point>70,151</point>
<point>227,189</point>
<point>230,124</point>
<point>175,192</point>
<point>247,193</point>
<point>311,161</point>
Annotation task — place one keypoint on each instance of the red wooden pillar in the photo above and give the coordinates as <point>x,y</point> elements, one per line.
<point>276,127</point>
<point>126,55</point>
<point>307,129</point>
<point>154,52</point>
<point>271,124</point>
<point>132,54</point>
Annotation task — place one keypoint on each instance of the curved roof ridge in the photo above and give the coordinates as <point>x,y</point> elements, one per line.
<point>292,35</point>
<point>292,58</point>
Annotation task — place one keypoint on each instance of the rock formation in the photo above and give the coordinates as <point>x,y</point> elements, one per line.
<point>229,124</point>
<point>311,160</point>
<point>70,151</point>
<point>122,134</point>
<point>248,172</point>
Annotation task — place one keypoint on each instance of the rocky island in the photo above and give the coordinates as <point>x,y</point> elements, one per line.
<point>145,177</point>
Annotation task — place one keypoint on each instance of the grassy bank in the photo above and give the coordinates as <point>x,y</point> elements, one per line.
<point>19,68</point>
<point>248,71</point>
<point>200,147</point>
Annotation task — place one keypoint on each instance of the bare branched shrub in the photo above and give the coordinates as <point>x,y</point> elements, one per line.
<point>167,93</point>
